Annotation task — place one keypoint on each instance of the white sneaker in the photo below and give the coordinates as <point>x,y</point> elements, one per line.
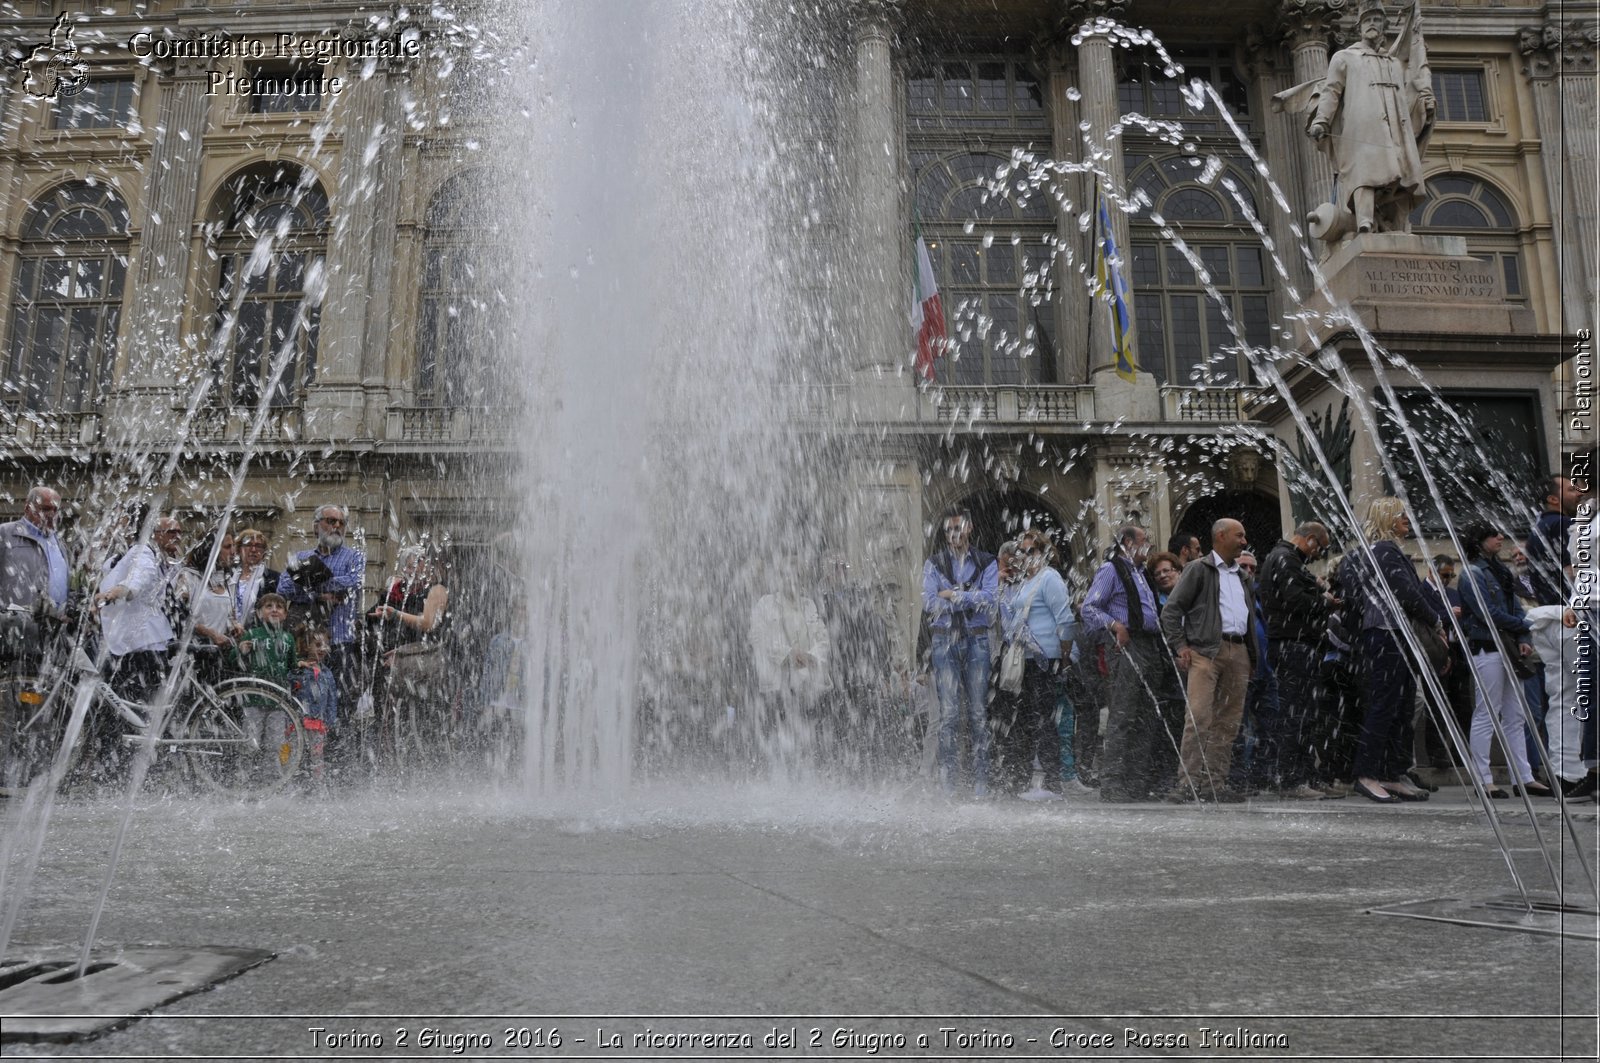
<point>1074,787</point>
<point>1039,793</point>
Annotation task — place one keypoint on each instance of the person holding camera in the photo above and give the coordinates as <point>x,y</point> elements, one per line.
<point>324,583</point>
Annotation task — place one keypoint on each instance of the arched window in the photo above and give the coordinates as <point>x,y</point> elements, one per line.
<point>271,231</point>
<point>1183,334</point>
<point>67,299</point>
<point>461,306</point>
<point>988,247</point>
<point>1460,204</point>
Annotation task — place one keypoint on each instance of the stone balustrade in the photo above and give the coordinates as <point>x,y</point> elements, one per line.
<point>1215,405</point>
<point>1065,406</point>
<point>452,424</point>
<point>49,430</point>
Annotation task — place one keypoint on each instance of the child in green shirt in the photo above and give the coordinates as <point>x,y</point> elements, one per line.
<point>267,651</point>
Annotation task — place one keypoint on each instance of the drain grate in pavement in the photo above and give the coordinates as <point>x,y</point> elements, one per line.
<point>42,998</point>
<point>1547,915</point>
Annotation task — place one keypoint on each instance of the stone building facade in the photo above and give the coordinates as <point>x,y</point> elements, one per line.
<point>130,210</point>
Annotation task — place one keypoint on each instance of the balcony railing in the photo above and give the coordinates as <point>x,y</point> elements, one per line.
<point>1036,404</point>
<point>452,424</point>
<point>1218,405</point>
<point>226,425</point>
<point>57,429</point>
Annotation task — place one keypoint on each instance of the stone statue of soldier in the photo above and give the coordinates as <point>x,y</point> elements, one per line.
<point>1372,113</point>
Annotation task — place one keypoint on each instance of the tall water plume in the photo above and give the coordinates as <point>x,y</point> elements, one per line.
<point>657,252</point>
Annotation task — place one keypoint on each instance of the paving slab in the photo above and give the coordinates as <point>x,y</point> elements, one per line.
<point>861,919</point>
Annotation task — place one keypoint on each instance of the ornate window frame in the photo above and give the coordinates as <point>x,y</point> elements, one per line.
<point>71,267</point>
<point>269,224</point>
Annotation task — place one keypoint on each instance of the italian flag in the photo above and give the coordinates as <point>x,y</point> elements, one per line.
<point>927,313</point>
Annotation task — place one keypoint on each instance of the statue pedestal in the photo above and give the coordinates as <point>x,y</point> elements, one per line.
<point>1425,299</point>
<point>1402,282</point>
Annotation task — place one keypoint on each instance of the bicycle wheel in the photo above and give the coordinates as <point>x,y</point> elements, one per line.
<point>243,736</point>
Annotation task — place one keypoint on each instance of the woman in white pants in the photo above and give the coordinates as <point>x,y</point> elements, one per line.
<point>1554,631</point>
<point>1496,624</point>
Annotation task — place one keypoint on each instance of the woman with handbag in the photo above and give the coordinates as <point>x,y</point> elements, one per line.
<point>1038,625</point>
<point>409,623</point>
<point>1388,580</point>
<point>1496,626</point>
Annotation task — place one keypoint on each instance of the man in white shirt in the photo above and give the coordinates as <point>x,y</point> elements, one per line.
<point>133,617</point>
<point>1208,623</point>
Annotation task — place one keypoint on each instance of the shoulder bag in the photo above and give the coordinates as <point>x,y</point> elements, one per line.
<point>1015,659</point>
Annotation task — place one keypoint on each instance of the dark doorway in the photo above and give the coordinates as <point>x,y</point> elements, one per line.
<point>1001,515</point>
<point>1263,523</point>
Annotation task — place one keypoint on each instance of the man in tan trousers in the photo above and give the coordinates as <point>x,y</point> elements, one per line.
<point>1209,622</point>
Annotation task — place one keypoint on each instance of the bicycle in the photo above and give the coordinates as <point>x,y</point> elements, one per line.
<point>241,736</point>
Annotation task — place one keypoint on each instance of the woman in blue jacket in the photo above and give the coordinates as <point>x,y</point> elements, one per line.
<point>1496,624</point>
<point>1391,598</point>
<point>1035,610</point>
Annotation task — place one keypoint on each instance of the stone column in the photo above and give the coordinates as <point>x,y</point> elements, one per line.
<point>1560,64</point>
<point>884,299</point>
<point>1115,399</point>
<point>1072,298</point>
<point>385,173</point>
<point>1281,136</point>
<point>160,273</point>
<point>1306,25</point>
<point>335,407</point>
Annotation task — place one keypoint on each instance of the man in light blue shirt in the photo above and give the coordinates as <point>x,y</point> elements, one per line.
<point>959,587</point>
<point>328,579</point>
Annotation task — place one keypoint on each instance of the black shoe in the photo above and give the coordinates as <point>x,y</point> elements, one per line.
<point>1582,789</point>
<point>1373,795</point>
<point>1498,794</point>
<point>1420,783</point>
<point>1533,789</point>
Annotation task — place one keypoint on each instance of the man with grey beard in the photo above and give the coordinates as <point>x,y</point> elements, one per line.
<point>325,582</point>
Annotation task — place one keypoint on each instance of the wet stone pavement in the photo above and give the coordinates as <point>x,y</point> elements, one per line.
<point>821,922</point>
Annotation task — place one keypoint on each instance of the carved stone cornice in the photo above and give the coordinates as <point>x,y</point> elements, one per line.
<point>1553,49</point>
<point>190,68</point>
<point>1261,51</point>
<point>1077,12</point>
<point>877,19</point>
<point>1308,21</point>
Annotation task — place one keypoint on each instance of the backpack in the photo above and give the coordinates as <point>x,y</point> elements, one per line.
<point>1344,623</point>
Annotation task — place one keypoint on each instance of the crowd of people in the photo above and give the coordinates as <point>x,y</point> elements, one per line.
<point>1185,675</point>
<point>143,598</point>
<point>1222,678</point>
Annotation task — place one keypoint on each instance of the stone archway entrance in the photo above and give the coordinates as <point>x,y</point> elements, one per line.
<point>1000,515</point>
<point>1263,522</point>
